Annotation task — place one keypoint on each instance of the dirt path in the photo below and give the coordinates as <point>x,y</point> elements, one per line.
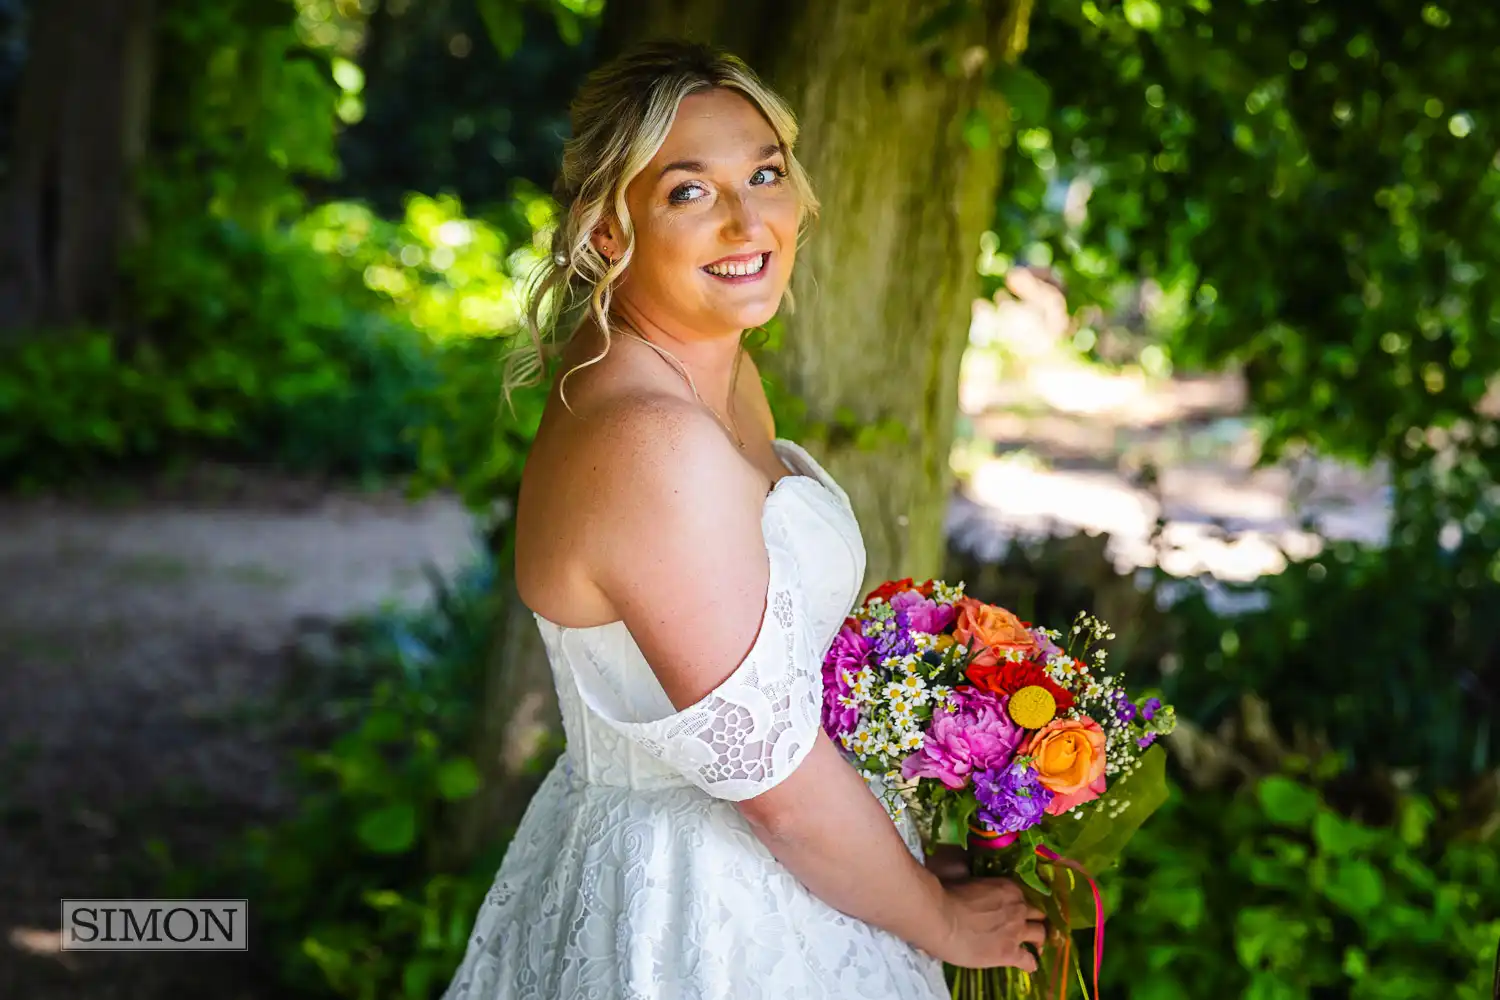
<point>132,639</point>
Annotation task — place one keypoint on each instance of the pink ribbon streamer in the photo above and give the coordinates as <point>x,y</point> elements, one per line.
<point>994,842</point>
<point>1057,859</point>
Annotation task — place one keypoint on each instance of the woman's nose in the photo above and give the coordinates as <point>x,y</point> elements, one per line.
<point>743,220</point>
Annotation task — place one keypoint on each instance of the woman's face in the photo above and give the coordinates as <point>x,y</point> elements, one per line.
<point>715,222</point>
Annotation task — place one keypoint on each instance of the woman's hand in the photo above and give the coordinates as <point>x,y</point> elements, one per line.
<point>989,923</point>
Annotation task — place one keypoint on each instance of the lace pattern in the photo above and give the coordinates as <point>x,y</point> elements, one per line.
<point>752,731</point>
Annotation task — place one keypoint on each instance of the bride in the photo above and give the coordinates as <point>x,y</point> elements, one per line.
<point>701,838</point>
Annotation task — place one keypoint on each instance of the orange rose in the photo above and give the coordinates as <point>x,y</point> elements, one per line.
<point>1068,755</point>
<point>994,630</point>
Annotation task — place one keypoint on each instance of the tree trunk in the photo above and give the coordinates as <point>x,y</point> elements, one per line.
<point>80,131</point>
<point>518,715</point>
<point>897,133</point>
<point>907,181</point>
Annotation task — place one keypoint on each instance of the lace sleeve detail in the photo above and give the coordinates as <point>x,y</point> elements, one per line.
<point>748,734</point>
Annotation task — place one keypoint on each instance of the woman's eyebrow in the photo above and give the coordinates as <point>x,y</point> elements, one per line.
<point>698,166</point>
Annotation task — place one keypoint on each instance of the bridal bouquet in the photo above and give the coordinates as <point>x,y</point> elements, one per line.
<point>1004,737</point>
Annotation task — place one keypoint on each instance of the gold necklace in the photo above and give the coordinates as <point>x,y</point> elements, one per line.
<point>682,369</point>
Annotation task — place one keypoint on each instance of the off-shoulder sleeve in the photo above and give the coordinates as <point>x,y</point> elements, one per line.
<point>750,733</point>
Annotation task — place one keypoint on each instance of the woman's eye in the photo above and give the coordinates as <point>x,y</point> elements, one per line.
<point>775,174</point>
<point>684,193</point>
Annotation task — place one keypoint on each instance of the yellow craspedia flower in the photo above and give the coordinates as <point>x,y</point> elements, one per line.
<point>1033,707</point>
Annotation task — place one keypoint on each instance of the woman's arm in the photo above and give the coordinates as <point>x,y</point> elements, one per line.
<point>676,546</point>
<point>833,834</point>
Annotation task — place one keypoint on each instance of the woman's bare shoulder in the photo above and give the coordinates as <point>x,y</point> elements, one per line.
<point>652,448</point>
<point>616,473</point>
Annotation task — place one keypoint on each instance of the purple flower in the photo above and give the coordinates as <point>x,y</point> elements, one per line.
<point>1011,799</point>
<point>896,641</point>
<point>1126,711</point>
<point>1146,741</point>
<point>922,613</point>
<point>1150,708</point>
<point>975,735</point>
<point>1046,648</point>
<point>848,655</point>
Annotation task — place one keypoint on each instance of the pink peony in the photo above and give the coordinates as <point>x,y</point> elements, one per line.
<point>923,614</point>
<point>976,735</point>
<point>848,654</point>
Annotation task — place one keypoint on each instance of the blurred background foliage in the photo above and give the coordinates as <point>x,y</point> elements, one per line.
<point>340,201</point>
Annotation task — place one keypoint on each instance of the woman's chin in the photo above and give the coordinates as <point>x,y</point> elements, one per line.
<point>747,315</point>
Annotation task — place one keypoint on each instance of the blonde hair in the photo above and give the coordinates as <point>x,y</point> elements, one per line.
<point>620,119</point>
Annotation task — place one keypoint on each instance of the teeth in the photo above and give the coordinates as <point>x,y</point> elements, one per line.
<point>738,268</point>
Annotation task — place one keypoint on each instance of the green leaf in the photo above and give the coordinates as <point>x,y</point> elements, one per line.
<point>1336,835</point>
<point>1030,877</point>
<point>383,899</point>
<point>384,725</point>
<point>1416,816</point>
<point>1097,840</point>
<point>1143,15</point>
<point>416,979</point>
<point>457,778</point>
<point>953,824</point>
<point>569,27</point>
<point>1027,94</point>
<point>1287,802</point>
<point>502,19</point>
<point>1355,886</point>
<point>391,829</point>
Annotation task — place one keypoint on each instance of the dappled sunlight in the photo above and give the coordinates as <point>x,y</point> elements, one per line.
<point>1015,498</point>
<point>1060,444</point>
<point>448,275</point>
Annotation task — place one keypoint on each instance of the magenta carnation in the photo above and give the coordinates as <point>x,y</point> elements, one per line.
<point>847,656</point>
<point>975,735</point>
<point>923,613</point>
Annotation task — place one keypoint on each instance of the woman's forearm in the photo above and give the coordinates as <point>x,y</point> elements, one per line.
<point>827,828</point>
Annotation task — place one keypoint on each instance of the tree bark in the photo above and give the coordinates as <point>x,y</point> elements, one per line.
<point>518,717</point>
<point>81,126</point>
<point>898,133</point>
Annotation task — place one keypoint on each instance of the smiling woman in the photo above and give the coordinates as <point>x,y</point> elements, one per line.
<point>699,176</point>
<point>700,838</point>
<point>710,240</point>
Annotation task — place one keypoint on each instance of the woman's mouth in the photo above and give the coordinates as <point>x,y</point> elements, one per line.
<point>740,269</point>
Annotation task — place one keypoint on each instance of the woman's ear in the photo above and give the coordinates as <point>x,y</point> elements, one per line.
<point>606,240</point>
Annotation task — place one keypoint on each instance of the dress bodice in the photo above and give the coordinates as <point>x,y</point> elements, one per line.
<point>750,732</point>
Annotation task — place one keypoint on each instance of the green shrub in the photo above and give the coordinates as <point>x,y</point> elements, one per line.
<point>1270,894</point>
<point>1387,655</point>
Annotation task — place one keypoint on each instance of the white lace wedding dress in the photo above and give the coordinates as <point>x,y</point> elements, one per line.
<point>632,875</point>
